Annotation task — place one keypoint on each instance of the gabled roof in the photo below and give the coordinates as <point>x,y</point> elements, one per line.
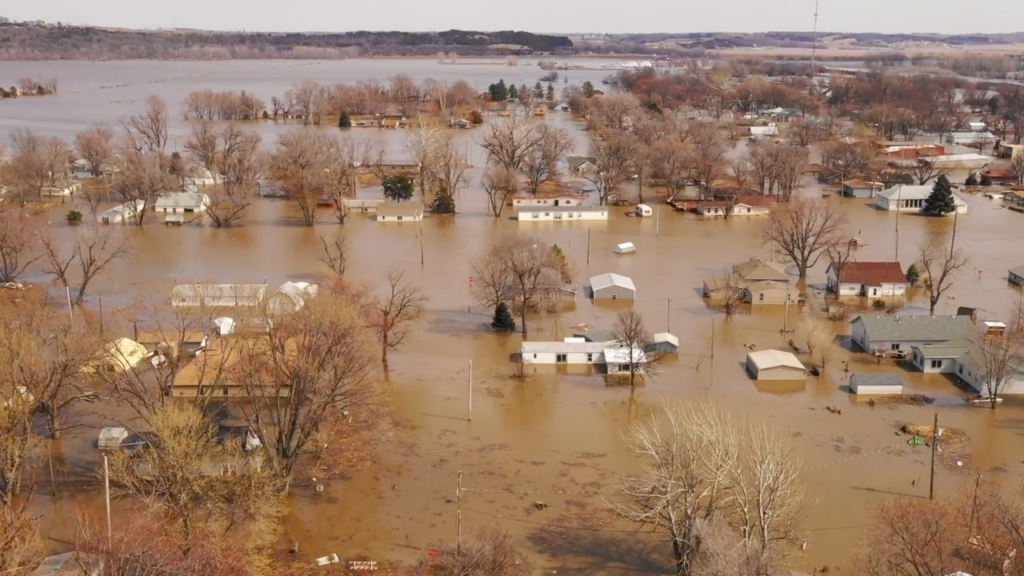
<point>182,200</point>
<point>873,273</point>
<point>917,328</point>
<point>905,192</point>
<point>774,359</point>
<point>757,269</point>
<point>1019,271</point>
<point>611,279</point>
<point>859,183</point>
<point>577,161</point>
<point>411,209</point>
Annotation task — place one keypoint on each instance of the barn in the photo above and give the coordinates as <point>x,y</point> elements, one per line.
<point>612,286</point>
<point>775,365</point>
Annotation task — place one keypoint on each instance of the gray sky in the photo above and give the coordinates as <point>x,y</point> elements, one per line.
<point>566,16</point>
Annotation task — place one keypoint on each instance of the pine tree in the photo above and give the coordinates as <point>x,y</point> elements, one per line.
<point>550,95</point>
<point>972,180</point>
<point>513,92</point>
<point>345,121</point>
<point>503,320</point>
<point>913,274</point>
<point>443,204</point>
<point>538,91</point>
<point>501,91</point>
<point>588,89</point>
<point>397,187</point>
<point>940,202</point>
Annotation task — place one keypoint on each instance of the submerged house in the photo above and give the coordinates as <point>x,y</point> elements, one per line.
<point>400,212</point>
<point>615,357</point>
<point>217,295</point>
<point>562,213</point>
<point>901,333</point>
<point>522,200</point>
<point>612,286</point>
<point>858,188</point>
<point>121,213</point>
<point>759,281</point>
<point>911,199</point>
<point>867,279</point>
<point>775,365</point>
<point>181,202</point>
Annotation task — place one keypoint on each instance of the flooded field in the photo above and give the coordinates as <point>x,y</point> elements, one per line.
<point>554,438</point>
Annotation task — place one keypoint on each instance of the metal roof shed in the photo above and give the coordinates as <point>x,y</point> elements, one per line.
<point>612,286</point>
<point>775,365</point>
<point>876,384</point>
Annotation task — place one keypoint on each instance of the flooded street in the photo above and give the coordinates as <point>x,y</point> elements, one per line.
<point>554,438</point>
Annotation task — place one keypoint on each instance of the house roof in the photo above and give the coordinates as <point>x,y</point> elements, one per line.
<point>622,355</point>
<point>919,328</point>
<point>611,279</point>
<point>596,335</point>
<point>873,273</point>
<point>1019,271</point>
<point>666,337</point>
<point>765,285</point>
<point>906,192</point>
<point>943,351</point>
<point>219,294</point>
<point>562,347</point>
<point>877,379</point>
<point>577,161</point>
<point>182,200</point>
<point>400,209</point>
<point>765,359</point>
<point>1000,173</point>
<point>859,183</point>
<point>758,269</point>
<point>528,209</point>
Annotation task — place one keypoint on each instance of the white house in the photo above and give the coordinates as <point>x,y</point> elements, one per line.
<point>121,212</point>
<point>971,161</point>
<point>181,202</point>
<point>61,189</point>
<point>578,351</point>
<point>548,214</point>
<point>976,126</point>
<point>867,279</point>
<point>522,200</point>
<point>756,206</point>
<point>911,199</point>
<point>400,212</point>
<point>965,138</point>
<point>199,176</point>
<point>763,131</point>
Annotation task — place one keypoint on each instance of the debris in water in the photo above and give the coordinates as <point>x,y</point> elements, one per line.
<point>539,505</point>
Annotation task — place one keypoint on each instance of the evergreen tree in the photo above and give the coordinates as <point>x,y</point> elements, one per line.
<point>913,274</point>
<point>503,320</point>
<point>513,92</point>
<point>345,121</point>
<point>588,89</point>
<point>492,92</point>
<point>443,204</point>
<point>985,180</point>
<point>524,93</point>
<point>501,91</point>
<point>397,187</point>
<point>972,180</point>
<point>550,95</point>
<point>940,202</point>
<point>538,91</point>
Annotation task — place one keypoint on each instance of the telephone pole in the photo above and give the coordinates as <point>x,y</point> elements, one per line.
<point>458,513</point>
<point>936,433</point>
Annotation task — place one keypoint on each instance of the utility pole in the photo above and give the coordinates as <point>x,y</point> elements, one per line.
<point>899,199</point>
<point>956,212</point>
<point>470,419</point>
<point>657,219</point>
<point>668,315</point>
<point>936,434</point>
<point>712,338</point>
<point>458,513</point>
<point>71,310</point>
<point>106,491</point>
<point>785,314</point>
<point>588,245</point>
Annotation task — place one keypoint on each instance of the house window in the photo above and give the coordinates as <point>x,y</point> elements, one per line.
<point>534,356</point>
<point>536,215</point>
<point>936,363</point>
<point>760,297</point>
<point>894,346</point>
<point>546,214</point>
<point>590,357</point>
<point>961,370</point>
<point>561,358</point>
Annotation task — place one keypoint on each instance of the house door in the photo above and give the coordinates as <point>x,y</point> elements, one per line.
<point>556,202</point>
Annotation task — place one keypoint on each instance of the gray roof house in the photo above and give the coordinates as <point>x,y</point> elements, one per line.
<point>1016,276</point>
<point>756,269</point>
<point>180,202</point>
<point>612,286</point>
<point>217,295</point>
<point>877,333</point>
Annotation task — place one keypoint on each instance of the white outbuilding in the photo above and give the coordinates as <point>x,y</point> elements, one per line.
<point>612,286</point>
<point>775,365</point>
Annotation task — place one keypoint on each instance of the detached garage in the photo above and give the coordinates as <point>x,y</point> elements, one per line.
<point>876,384</point>
<point>775,365</point>
<point>612,287</point>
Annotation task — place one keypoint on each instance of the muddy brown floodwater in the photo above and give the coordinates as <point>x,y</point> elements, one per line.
<point>557,437</point>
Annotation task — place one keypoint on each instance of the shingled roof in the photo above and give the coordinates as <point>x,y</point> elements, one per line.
<point>873,273</point>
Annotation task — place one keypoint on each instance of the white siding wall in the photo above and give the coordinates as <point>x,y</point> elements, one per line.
<point>571,358</point>
<point>562,216</point>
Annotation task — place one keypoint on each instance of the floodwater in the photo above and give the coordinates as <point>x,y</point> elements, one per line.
<point>554,438</point>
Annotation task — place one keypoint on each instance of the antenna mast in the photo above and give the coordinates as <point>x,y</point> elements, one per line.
<point>814,39</point>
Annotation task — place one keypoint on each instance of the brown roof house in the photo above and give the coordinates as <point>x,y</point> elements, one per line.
<point>756,281</point>
<point>869,279</point>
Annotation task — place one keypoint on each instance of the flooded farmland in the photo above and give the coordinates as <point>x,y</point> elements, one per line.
<point>556,437</point>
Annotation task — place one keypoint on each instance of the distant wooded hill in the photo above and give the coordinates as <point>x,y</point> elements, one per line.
<point>36,41</point>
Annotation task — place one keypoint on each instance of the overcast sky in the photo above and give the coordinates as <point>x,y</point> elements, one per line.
<point>562,16</point>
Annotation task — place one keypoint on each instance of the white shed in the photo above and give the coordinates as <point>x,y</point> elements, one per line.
<point>876,384</point>
<point>111,437</point>
<point>612,286</point>
<point>625,248</point>
<point>775,365</point>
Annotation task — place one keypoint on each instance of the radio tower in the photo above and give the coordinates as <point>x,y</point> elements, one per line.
<point>814,39</point>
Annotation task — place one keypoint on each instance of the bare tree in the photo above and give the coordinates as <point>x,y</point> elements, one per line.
<point>447,175</point>
<point>423,145</point>
<point>335,254</point>
<point>147,132</point>
<point>996,360</point>
<point>540,163</point>
<point>21,543</point>
<point>708,155</point>
<point>500,184</point>
<point>398,312</point>
<point>19,243</point>
<point>202,146</point>
<point>311,165</point>
<point>140,181</point>
<point>509,142</point>
<point>844,159</point>
<point>840,254</point>
<point>726,292</point>
<point>485,552</point>
<point>672,163</point>
<point>925,169</point>
<point>613,155</point>
<point>306,373</point>
<point>518,267</point>
<point>35,163</point>
<point>788,163</point>
<point>632,335</point>
<point>703,465</point>
<point>939,268</point>
<point>95,146</point>
<point>820,340</point>
<point>93,251</point>
<point>1017,165</point>
<point>241,165</point>
<point>805,231</point>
